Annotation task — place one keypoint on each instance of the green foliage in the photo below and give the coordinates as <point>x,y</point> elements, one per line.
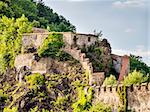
<point>36,11</point>
<point>3,96</point>
<point>11,31</point>
<point>111,80</point>
<point>84,101</point>
<point>136,77</point>
<point>60,103</point>
<point>138,64</point>
<point>13,109</point>
<point>35,109</point>
<point>99,51</point>
<point>51,46</point>
<point>35,80</point>
<point>122,93</point>
<point>100,107</point>
<point>61,27</point>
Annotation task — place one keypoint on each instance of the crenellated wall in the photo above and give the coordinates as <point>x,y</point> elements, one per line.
<point>138,96</point>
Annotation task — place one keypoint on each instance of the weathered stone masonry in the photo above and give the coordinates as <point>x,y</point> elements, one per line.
<point>73,44</point>
<point>138,96</point>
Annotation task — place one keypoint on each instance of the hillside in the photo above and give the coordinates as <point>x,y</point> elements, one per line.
<point>45,66</point>
<point>37,12</point>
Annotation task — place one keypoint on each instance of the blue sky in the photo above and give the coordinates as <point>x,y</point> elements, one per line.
<point>125,23</point>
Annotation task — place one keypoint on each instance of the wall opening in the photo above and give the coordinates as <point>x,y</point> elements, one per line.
<point>75,41</point>
<point>89,39</point>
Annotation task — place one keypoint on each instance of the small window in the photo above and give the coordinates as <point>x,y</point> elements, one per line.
<point>89,39</point>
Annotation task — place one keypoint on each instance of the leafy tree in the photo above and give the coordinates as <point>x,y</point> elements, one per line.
<point>11,31</point>
<point>51,46</point>
<point>137,63</point>
<point>111,80</point>
<point>84,102</point>
<point>35,11</point>
<point>136,77</point>
<point>26,7</point>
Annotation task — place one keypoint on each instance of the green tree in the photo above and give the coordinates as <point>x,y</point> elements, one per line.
<point>51,46</point>
<point>11,31</point>
<point>111,80</point>
<point>137,63</point>
<point>35,11</point>
<point>136,77</point>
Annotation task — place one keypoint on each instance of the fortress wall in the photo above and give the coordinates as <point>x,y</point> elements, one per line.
<point>138,96</point>
<point>86,40</point>
<point>35,40</point>
<point>68,38</point>
<point>23,60</point>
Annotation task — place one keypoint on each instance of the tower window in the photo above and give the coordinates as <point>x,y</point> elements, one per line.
<point>89,39</point>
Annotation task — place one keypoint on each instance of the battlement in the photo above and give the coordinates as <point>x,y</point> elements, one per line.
<point>132,88</point>
<point>137,96</point>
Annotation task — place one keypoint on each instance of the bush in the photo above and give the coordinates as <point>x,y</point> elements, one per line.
<point>51,46</point>
<point>100,107</point>
<point>13,109</point>
<point>84,101</point>
<point>136,77</point>
<point>35,80</point>
<point>111,80</point>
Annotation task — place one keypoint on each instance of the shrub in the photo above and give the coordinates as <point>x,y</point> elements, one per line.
<point>13,109</point>
<point>84,101</point>
<point>100,107</point>
<point>35,80</point>
<point>136,77</point>
<point>51,46</point>
<point>111,80</point>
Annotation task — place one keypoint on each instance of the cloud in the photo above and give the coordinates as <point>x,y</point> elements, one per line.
<point>129,3</point>
<point>128,52</point>
<point>139,51</point>
<point>129,30</point>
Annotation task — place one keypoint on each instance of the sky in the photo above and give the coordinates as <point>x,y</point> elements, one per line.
<point>125,23</point>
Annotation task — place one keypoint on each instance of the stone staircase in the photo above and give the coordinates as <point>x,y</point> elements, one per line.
<point>95,78</point>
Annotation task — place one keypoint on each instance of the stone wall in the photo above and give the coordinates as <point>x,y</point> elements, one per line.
<point>138,97</point>
<point>46,65</point>
<point>85,39</point>
<point>35,40</point>
<point>95,78</point>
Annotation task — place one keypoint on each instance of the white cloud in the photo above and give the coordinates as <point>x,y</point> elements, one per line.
<point>139,51</point>
<point>129,3</point>
<point>129,30</point>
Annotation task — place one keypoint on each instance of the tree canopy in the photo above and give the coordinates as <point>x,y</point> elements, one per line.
<point>36,12</point>
<point>137,63</point>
